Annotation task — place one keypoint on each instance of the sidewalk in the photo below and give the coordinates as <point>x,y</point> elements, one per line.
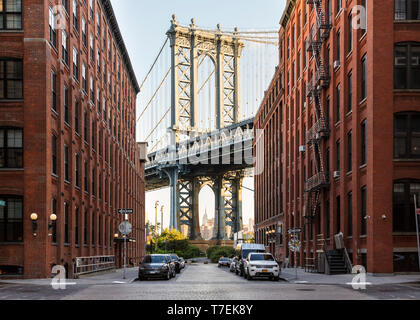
<point>111,277</point>
<point>303,277</point>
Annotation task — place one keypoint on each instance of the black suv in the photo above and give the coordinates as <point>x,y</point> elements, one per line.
<point>175,259</point>
<point>156,266</point>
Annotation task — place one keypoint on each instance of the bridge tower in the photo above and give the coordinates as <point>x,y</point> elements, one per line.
<point>188,46</point>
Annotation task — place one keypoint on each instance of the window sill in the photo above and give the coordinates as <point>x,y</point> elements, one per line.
<point>406,21</point>
<point>406,160</point>
<point>11,243</point>
<point>12,31</point>
<point>12,100</point>
<point>363,101</point>
<point>406,90</point>
<point>11,169</point>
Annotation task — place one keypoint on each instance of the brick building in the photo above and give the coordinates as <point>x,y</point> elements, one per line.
<point>347,122</point>
<point>67,136</point>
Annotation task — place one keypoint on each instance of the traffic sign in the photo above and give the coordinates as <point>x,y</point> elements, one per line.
<point>294,230</point>
<point>125,227</point>
<point>125,211</point>
<point>294,245</point>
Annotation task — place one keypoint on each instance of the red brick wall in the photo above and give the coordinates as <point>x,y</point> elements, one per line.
<point>125,177</point>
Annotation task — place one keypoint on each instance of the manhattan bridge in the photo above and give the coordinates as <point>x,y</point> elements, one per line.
<point>196,109</point>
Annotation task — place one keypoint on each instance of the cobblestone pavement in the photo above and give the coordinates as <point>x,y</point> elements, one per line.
<point>200,282</point>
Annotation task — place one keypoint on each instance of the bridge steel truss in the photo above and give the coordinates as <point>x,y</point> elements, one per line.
<point>188,46</point>
<point>317,135</point>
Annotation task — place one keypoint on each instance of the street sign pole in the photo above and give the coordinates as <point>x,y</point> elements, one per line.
<point>125,254</point>
<point>417,228</point>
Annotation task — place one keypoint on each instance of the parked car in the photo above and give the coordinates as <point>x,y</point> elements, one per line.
<point>261,265</point>
<point>181,263</point>
<point>173,266</point>
<point>233,264</point>
<point>175,259</point>
<point>242,252</point>
<point>156,266</point>
<point>224,262</point>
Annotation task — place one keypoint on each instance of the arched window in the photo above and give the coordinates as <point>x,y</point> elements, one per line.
<point>407,65</point>
<point>407,135</point>
<point>403,205</point>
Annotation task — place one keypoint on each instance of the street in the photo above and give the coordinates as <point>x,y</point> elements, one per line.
<point>199,282</point>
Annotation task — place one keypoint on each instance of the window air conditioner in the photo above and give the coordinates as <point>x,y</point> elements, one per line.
<point>336,174</point>
<point>336,63</point>
<point>302,148</point>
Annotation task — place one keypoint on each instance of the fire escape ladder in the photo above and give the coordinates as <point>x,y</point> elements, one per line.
<point>317,134</point>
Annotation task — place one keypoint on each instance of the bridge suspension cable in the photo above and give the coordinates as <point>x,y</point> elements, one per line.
<point>154,95</point>
<point>154,63</point>
<point>160,121</point>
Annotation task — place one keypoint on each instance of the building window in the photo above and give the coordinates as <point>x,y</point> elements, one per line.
<point>84,34</point>
<point>92,50</point>
<point>349,92</point>
<point>93,182</point>
<point>65,4</point>
<point>92,90</point>
<point>338,6</point>
<point>338,214</point>
<point>53,31</point>
<point>64,45</point>
<point>77,170</point>
<point>407,10</point>
<point>66,223</point>
<point>363,136</point>
<point>338,98</point>
<point>11,148</point>
<point>363,82</point>
<point>54,155</point>
<point>407,65</point>
<point>75,16</point>
<point>10,14</point>
<point>66,163</point>
<point>11,219</point>
<point>76,226</point>
<point>338,40</point>
<point>407,135</point>
<point>403,205</point>
<point>93,228</point>
<point>76,117</point>
<point>53,91</point>
<point>338,155</point>
<point>363,215</point>
<point>350,214</point>
<point>86,178</point>
<point>349,151</point>
<point>11,78</point>
<point>66,105</point>
<point>364,18</point>
<point>350,32</point>
<point>84,79</point>
<point>85,222</point>
<point>86,124</point>
<point>76,64</point>
<point>54,225</point>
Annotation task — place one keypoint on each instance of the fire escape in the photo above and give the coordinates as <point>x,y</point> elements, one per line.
<point>319,132</point>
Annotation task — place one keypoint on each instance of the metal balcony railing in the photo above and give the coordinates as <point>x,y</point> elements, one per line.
<point>85,265</point>
<point>319,130</point>
<point>318,181</point>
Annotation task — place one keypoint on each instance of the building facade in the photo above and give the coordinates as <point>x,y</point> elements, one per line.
<point>67,137</point>
<point>350,124</point>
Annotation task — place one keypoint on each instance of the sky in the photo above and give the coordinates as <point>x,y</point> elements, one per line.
<point>144,24</point>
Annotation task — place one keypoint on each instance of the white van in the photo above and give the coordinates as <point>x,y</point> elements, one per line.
<point>242,251</point>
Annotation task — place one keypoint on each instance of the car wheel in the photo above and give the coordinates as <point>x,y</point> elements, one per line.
<point>276,278</point>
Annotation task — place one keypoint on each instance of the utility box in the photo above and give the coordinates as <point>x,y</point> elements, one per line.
<point>142,150</point>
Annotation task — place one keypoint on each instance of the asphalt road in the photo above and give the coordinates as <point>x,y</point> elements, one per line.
<point>202,282</point>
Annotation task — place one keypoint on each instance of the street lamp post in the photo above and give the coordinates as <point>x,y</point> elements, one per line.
<point>161,219</point>
<point>156,208</point>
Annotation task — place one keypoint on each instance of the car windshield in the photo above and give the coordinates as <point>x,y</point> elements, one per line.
<point>224,259</point>
<point>174,257</point>
<point>245,253</point>
<point>154,259</point>
<point>258,257</point>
